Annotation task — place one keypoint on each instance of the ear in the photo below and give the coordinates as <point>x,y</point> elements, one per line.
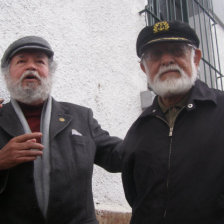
<point>197,57</point>
<point>142,67</point>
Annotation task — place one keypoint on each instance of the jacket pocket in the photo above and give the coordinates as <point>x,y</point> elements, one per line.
<point>82,140</point>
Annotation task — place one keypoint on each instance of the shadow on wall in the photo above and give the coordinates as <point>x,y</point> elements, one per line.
<point>108,217</point>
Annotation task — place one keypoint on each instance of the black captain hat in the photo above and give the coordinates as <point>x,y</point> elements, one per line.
<point>164,31</point>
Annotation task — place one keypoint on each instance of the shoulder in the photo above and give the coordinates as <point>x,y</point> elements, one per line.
<point>70,108</point>
<point>6,108</point>
<point>73,106</point>
<point>201,92</point>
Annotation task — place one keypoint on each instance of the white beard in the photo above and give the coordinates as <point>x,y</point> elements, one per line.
<point>30,93</point>
<point>173,86</point>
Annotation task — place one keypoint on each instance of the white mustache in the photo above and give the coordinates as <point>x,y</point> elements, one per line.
<point>30,72</point>
<point>169,68</point>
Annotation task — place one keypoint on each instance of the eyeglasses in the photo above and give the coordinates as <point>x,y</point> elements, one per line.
<point>156,51</point>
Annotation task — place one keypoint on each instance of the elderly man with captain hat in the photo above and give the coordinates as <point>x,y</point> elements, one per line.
<point>173,167</point>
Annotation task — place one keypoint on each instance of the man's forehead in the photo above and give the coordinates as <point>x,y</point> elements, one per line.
<point>160,46</point>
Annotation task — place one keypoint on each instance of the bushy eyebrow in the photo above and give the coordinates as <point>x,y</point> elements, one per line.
<point>20,55</point>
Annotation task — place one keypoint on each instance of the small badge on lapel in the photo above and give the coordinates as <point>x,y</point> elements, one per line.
<point>61,119</point>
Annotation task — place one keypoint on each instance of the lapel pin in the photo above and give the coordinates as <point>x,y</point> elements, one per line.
<point>61,119</point>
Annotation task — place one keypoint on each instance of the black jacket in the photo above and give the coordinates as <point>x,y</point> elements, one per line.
<point>178,177</point>
<point>72,157</point>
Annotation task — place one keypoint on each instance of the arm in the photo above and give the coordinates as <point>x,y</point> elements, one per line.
<point>128,179</point>
<point>108,148</point>
<point>129,168</point>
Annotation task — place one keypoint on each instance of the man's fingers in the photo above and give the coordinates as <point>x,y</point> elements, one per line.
<point>1,101</point>
<point>27,137</point>
<point>29,145</point>
<point>15,153</point>
<point>32,140</point>
<point>14,146</point>
<point>26,159</point>
<point>29,153</point>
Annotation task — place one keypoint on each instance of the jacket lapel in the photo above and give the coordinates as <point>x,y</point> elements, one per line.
<point>60,118</point>
<point>9,121</point>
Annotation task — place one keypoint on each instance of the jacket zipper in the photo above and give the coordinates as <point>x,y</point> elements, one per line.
<point>169,164</point>
<point>170,152</point>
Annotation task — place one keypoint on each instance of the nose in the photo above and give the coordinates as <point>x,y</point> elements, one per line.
<point>167,59</point>
<point>31,65</point>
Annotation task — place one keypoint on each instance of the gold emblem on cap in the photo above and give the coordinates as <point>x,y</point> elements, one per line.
<point>61,119</point>
<point>161,26</point>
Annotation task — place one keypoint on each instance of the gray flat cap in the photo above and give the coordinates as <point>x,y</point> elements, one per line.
<point>25,43</point>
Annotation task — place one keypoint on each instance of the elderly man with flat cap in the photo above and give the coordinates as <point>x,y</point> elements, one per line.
<point>173,171</point>
<point>47,148</point>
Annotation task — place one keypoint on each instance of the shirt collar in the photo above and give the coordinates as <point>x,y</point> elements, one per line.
<point>178,105</point>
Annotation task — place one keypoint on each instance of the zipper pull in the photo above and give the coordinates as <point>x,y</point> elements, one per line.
<point>164,215</point>
<point>171,132</point>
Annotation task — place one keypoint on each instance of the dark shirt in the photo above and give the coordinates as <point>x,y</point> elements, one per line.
<point>33,116</point>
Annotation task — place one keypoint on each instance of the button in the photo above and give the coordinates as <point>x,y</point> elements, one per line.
<point>154,111</point>
<point>190,105</point>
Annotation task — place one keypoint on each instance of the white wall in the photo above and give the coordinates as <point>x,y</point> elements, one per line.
<point>218,7</point>
<point>94,44</point>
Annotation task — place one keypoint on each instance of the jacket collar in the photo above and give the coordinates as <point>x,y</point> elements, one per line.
<point>199,92</point>
<point>60,118</point>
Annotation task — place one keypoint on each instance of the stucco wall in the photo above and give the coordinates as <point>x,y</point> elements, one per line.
<point>94,44</point>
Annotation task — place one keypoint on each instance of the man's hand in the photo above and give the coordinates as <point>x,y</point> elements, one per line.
<point>1,101</point>
<point>20,149</point>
